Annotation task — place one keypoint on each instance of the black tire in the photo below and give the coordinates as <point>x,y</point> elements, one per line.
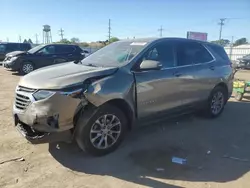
<point>87,120</point>
<point>209,112</point>
<point>238,96</point>
<point>26,67</point>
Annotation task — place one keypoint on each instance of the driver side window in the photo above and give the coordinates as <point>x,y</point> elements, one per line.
<point>162,52</point>
<point>47,50</point>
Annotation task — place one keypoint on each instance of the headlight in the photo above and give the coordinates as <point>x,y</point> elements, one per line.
<point>13,58</point>
<point>43,94</point>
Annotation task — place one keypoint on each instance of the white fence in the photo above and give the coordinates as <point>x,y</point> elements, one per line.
<point>237,52</point>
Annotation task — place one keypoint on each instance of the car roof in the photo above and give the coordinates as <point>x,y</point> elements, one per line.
<point>149,40</point>
<point>14,43</point>
<point>61,44</point>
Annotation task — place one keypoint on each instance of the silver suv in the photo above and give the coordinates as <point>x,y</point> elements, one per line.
<point>97,100</point>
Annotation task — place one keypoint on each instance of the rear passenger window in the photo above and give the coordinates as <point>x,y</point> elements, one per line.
<point>220,52</point>
<point>189,53</point>
<point>65,49</point>
<point>162,52</point>
<point>25,47</point>
<point>12,47</point>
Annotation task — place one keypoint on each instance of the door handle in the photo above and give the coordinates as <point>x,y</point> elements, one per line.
<point>177,74</point>
<point>54,55</point>
<point>212,67</point>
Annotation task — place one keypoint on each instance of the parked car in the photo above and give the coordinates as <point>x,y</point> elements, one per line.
<point>243,62</point>
<point>96,101</point>
<point>41,56</point>
<point>8,47</point>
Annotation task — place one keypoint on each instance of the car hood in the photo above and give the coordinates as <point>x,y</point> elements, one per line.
<point>15,53</point>
<point>62,75</point>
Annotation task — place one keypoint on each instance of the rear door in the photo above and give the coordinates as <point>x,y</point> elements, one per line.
<point>157,90</point>
<point>196,67</point>
<point>65,53</point>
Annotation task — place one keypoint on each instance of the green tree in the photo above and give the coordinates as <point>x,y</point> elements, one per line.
<point>222,42</point>
<point>240,41</point>
<point>113,39</point>
<point>64,41</point>
<point>75,40</point>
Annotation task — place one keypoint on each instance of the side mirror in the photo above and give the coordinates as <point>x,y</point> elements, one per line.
<point>150,65</point>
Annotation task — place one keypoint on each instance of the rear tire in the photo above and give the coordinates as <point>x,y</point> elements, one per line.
<point>100,131</point>
<point>26,67</point>
<point>216,102</point>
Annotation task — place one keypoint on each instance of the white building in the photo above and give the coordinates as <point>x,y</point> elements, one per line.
<point>238,51</point>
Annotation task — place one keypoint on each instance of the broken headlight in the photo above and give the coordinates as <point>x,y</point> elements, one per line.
<point>43,94</point>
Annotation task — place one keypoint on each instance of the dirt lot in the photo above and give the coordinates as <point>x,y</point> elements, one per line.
<point>143,160</point>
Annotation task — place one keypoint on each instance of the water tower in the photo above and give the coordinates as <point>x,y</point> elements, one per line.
<point>47,38</point>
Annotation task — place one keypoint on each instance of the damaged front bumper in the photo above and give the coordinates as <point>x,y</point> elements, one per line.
<point>45,120</point>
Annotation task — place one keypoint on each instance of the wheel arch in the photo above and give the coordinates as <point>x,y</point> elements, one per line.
<point>223,85</point>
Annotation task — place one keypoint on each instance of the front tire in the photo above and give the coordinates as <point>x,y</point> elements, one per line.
<point>216,102</point>
<point>101,131</point>
<point>26,68</point>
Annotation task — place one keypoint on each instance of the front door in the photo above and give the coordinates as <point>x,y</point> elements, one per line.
<point>157,90</point>
<point>46,56</point>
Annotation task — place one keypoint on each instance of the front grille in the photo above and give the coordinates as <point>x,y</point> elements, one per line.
<point>22,101</point>
<point>25,89</point>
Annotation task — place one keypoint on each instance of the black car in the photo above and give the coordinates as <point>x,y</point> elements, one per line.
<point>41,56</point>
<point>8,47</point>
<point>243,62</point>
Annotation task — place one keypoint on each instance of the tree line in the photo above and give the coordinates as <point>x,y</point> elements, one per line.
<point>76,40</point>
<point>226,42</point>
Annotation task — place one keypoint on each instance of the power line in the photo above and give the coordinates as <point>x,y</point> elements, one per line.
<point>109,30</point>
<point>160,30</point>
<point>61,31</point>
<point>221,23</point>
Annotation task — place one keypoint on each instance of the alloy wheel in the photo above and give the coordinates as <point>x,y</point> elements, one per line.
<point>27,68</point>
<point>105,131</point>
<point>217,102</point>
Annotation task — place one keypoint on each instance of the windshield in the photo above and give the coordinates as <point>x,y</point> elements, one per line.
<point>35,49</point>
<point>115,54</point>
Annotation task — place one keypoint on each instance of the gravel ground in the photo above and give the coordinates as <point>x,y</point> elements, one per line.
<point>217,153</point>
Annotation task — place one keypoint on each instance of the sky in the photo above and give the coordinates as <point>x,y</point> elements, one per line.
<point>88,20</point>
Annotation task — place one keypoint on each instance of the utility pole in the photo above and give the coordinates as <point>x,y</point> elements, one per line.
<point>231,47</point>
<point>109,30</point>
<point>7,39</point>
<point>61,33</point>
<point>20,39</point>
<point>160,30</point>
<point>36,38</point>
<point>221,23</point>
